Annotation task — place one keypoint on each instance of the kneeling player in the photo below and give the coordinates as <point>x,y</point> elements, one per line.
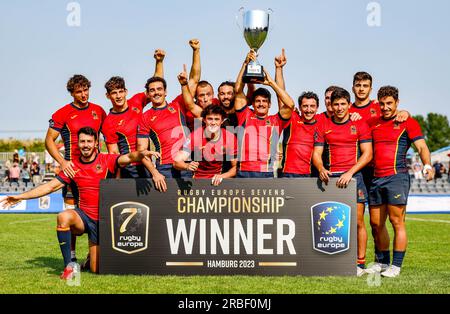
<point>390,186</point>
<point>89,169</point>
<point>208,148</point>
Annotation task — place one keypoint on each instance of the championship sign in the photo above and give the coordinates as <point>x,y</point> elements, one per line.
<point>243,227</point>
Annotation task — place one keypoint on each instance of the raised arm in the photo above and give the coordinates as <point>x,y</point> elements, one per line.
<point>286,106</point>
<point>241,100</point>
<point>196,70</point>
<point>187,96</point>
<point>159,62</point>
<point>280,62</point>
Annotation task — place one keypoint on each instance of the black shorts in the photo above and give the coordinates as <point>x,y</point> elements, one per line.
<point>392,190</point>
<point>90,226</point>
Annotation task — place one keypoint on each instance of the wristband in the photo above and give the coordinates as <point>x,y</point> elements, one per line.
<point>426,167</point>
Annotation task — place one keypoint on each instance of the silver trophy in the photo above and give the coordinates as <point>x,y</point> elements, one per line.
<point>255,24</point>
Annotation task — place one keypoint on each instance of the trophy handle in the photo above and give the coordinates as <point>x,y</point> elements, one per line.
<point>272,24</point>
<point>239,17</point>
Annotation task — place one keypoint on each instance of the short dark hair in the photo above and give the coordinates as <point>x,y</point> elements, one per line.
<point>331,88</point>
<point>362,76</point>
<point>340,93</point>
<point>226,83</point>
<point>202,84</point>
<point>308,95</point>
<point>155,79</point>
<point>115,82</point>
<point>213,109</point>
<point>77,81</point>
<point>88,131</point>
<point>264,92</point>
<point>386,91</point>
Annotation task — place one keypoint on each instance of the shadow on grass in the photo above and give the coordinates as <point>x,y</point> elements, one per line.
<point>55,265</point>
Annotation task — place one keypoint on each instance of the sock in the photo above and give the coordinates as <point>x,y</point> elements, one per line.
<point>386,257</point>
<point>362,262</point>
<point>73,257</point>
<point>378,256</point>
<point>64,243</point>
<point>398,257</point>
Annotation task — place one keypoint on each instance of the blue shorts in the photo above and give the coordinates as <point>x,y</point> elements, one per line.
<point>292,175</point>
<point>90,226</point>
<point>134,172</point>
<point>367,173</point>
<point>361,191</point>
<point>170,172</point>
<point>392,190</point>
<point>254,174</point>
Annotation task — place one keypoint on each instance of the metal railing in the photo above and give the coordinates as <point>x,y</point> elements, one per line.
<point>4,156</point>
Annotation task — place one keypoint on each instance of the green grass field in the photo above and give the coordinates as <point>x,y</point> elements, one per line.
<point>30,262</point>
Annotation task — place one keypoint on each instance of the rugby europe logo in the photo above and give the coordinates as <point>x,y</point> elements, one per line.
<point>331,227</point>
<point>129,227</point>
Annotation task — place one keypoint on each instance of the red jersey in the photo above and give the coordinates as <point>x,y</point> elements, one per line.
<point>369,113</point>
<point>87,179</point>
<point>343,141</point>
<point>121,127</point>
<point>210,154</point>
<point>166,127</point>
<point>391,141</point>
<point>258,143</point>
<point>321,117</point>
<point>298,145</point>
<point>70,119</point>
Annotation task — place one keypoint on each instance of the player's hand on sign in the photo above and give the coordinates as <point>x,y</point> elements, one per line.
<point>217,179</point>
<point>160,182</point>
<point>324,175</point>
<point>9,201</point>
<point>183,77</point>
<point>281,60</point>
<point>192,166</point>
<point>355,116</point>
<point>67,168</point>
<point>343,180</point>
<point>194,43</point>
<point>159,55</point>
<point>402,116</point>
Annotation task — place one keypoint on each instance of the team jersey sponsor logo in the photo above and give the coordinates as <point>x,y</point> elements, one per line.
<point>328,132</point>
<point>120,122</point>
<point>331,227</point>
<point>153,118</point>
<point>73,117</point>
<point>396,126</point>
<point>129,227</point>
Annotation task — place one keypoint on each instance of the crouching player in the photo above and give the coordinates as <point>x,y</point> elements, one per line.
<point>89,169</point>
<point>389,191</point>
<point>208,148</point>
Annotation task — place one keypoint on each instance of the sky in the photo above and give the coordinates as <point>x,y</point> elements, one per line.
<point>401,43</point>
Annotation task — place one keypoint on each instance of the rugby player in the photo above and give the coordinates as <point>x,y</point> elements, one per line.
<point>66,122</point>
<point>350,149</point>
<point>208,148</point>
<point>260,132</point>
<point>89,169</point>
<point>389,190</point>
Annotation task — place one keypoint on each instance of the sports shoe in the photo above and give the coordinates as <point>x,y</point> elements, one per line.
<point>67,274</point>
<point>86,264</point>
<point>360,272</point>
<point>391,272</point>
<point>376,268</point>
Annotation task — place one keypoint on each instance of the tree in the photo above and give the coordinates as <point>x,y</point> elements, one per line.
<point>436,130</point>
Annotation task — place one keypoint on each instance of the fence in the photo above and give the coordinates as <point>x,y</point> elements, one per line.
<point>4,156</point>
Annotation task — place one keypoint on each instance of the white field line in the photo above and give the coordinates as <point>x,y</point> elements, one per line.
<point>428,220</point>
<point>31,220</point>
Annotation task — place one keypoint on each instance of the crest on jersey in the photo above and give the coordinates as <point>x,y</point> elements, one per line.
<point>267,122</point>
<point>94,115</point>
<point>373,112</point>
<point>171,109</point>
<point>353,130</point>
<point>98,168</point>
<point>396,126</point>
<point>129,227</point>
<point>136,110</point>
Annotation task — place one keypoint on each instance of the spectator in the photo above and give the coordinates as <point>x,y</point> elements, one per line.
<point>14,173</point>
<point>35,170</point>
<point>22,155</point>
<point>438,169</point>
<point>35,158</point>
<point>25,172</point>
<point>7,167</point>
<point>417,168</point>
<point>48,161</point>
<point>16,157</point>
